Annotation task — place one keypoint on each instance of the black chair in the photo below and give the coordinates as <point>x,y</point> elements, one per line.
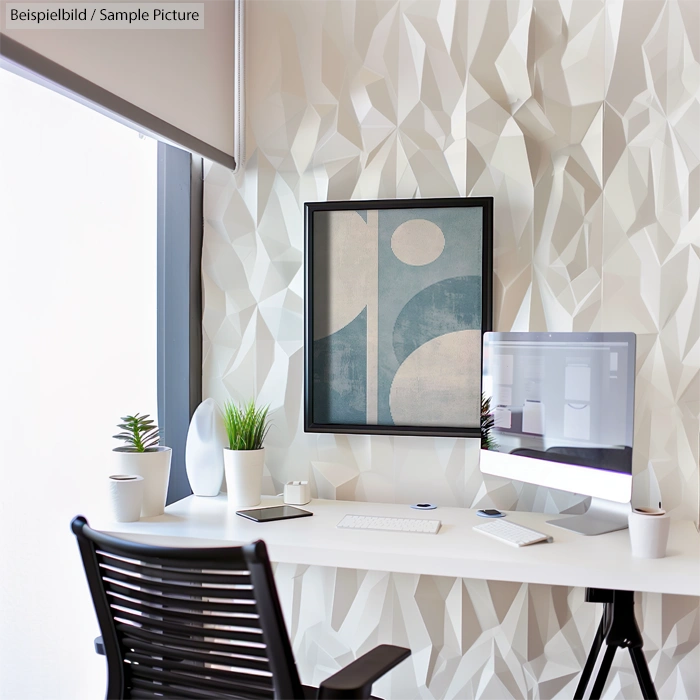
<point>201,623</point>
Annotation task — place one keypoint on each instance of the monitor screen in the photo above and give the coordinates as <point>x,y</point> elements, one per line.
<point>562,397</point>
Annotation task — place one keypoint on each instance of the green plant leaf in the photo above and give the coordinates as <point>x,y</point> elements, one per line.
<point>139,431</point>
<point>246,425</point>
<point>487,423</point>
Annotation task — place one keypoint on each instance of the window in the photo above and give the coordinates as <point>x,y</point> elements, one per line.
<point>78,299</point>
<point>101,229</point>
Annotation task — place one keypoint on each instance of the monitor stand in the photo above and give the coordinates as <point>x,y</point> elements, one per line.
<point>602,516</point>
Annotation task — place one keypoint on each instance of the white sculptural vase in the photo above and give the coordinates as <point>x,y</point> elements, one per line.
<point>244,472</point>
<point>154,467</point>
<point>204,460</point>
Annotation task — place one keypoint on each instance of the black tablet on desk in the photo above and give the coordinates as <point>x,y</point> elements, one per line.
<point>264,515</point>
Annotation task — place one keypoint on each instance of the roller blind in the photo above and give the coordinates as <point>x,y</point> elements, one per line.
<point>178,84</point>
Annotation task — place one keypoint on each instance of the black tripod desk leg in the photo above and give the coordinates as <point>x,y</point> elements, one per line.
<point>603,673</point>
<point>643,675</point>
<point>592,656</point>
<point>618,629</point>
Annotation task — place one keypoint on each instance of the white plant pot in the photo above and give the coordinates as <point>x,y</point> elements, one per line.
<point>204,457</point>
<point>244,471</point>
<point>154,467</point>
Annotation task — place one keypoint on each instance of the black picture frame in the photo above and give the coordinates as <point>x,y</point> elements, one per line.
<point>310,210</point>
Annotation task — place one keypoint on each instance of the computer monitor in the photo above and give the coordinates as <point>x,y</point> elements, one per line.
<point>563,411</point>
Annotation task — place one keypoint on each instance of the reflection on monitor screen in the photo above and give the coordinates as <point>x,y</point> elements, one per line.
<point>562,397</point>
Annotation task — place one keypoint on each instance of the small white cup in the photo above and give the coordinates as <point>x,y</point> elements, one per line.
<point>126,495</point>
<point>649,532</point>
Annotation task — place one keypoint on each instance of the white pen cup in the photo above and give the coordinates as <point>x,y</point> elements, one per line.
<point>126,495</point>
<point>649,529</point>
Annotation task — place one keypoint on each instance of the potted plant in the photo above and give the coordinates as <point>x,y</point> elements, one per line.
<point>143,455</point>
<point>244,458</point>
<point>487,423</point>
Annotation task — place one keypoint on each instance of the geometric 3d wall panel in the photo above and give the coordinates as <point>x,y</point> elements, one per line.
<point>476,639</point>
<point>580,118</point>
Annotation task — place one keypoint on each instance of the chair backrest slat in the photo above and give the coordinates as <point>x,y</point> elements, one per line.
<point>196,576</point>
<point>173,628</point>
<point>229,678</point>
<point>181,622</point>
<point>197,600</point>
<point>198,618</point>
<point>247,638</point>
<point>150,689</point>
<point>196,681</point>
<point>239,591</point>
<point>183,650</point>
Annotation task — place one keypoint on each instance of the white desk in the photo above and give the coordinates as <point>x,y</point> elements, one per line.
<point>603,561</point>
<point>603,564</point>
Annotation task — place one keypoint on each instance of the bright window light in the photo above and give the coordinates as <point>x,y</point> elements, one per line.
<point>78,350</point>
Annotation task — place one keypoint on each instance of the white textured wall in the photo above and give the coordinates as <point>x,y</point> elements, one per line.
<point>581,119</point>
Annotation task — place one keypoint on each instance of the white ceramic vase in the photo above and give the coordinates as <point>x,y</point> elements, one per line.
<point>154,467</point>
<point>204,457</point>
<point>244,472</point>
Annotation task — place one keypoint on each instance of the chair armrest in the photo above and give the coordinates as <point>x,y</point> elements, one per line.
<point>354,682</point>
<point>99,646</point>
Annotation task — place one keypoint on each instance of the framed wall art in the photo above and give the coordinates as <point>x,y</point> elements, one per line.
<point>398,295</point>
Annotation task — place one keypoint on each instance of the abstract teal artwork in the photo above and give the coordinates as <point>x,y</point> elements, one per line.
<point>398,295</point>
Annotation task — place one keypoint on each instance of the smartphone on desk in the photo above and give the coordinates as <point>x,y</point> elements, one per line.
<point>266,515</point>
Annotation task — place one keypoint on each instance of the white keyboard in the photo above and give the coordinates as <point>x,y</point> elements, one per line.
<point>512,534</point>
<point>370,522</point>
